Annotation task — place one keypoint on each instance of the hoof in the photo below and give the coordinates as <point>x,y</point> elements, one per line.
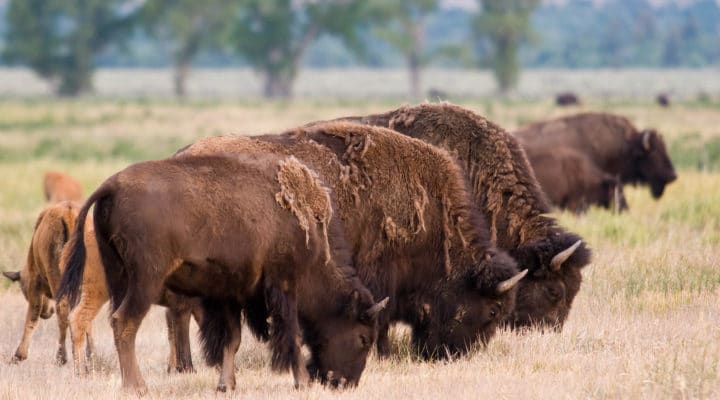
<point>17,358</point>
<point>61,357</point>
<point>222,388</point>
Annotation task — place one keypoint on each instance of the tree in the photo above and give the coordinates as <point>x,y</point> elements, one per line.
<point>188,26</point>
<point>401,24</point>
<point>504,25</point>
<point>58,39</point>
<point>273,35</point>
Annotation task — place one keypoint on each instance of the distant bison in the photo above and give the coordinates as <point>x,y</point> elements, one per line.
<point>567,99</point>
<point>40,280</point>
<point>663,99</point>
<point>252,230</point>
<point>571,181</point>
<point>415,234</point>
<point>612,143</point>
<point>504,188</point>
<point>59,186</point>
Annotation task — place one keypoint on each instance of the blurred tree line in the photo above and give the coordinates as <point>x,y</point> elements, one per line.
<point>63,41</point>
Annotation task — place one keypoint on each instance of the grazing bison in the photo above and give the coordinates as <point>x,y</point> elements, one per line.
<point>237,231</point>
<point>40,280</point>
<point>410,222</point>
<point>40,277</point>
<point>567,99</point>
<point>505,189</point>
<point>60,187</point>
<point>571,181</point>
<point>663,100</point>
<point>612,143</point>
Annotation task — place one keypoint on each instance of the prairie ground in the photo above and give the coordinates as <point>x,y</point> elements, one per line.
<point>644,325</point>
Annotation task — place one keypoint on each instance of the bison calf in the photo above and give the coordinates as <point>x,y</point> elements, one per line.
<point>571,181</point>
<point>252,231</point>
<point>40,280</point>
<point>59,186</point>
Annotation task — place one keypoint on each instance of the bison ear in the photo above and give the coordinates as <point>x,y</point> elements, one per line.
<point>372,313</point>
<point>12,275</point>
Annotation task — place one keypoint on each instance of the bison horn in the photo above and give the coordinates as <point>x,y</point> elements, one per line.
<point>373,311</point>
<point>563,256</point>
<point>646,140</point>
<point>12,275</point>
<point>508,284</point>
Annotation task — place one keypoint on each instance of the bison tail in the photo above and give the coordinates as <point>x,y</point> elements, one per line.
<point>221,320</point>
<point>71,282</point>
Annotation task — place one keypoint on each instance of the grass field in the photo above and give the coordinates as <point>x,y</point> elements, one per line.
<point>646,323</point>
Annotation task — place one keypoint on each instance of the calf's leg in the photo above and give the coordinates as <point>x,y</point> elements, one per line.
<point>178,324</point>
<point>81,318</point>
<point>62,317</point>
<point>31,320</point>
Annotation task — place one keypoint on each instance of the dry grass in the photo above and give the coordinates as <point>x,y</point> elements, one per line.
<point>644,325</point>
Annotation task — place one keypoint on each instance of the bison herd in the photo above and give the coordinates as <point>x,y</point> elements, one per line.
<point>325,235</point>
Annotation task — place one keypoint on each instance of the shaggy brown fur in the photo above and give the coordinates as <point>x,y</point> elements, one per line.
<point>59,186</point>
<point>505,189</point>
<point>412,227</point>
<point>571,181</point>
<point>212,227</point>
<point>612,143</point>
<point>40,280</point>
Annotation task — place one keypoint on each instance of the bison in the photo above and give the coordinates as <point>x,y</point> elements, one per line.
<point>413,230</point>
<point>571,181</point>
<point>59,186</point>
<point>40,280</point>
<point>663,100</point>
<point>567,99</point>
<point>504,188</point>
<point>612,143</point>
<point>237,231</point>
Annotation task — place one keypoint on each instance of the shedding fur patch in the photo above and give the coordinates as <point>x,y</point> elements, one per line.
<point>302,193</point>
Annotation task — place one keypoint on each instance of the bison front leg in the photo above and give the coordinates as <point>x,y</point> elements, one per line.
<point>62,317</point>
<point>286,339</point>
<point>31,320</point>
<point>383,341</point>
<point>178,324</point>
<point>227,370</point>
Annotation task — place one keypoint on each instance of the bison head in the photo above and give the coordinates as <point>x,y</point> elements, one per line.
<point>340,343</point>
<point>652,161</point>
<point>47,309</point>
<point>545,296</point>
<point>467,309</point>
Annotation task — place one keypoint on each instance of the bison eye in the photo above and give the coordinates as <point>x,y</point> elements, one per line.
<point>493,313</point>
<point>364,341</point>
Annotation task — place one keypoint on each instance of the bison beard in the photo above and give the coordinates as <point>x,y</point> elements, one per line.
<point>409,218</point>
<point>213,246</point>
<point>505,189</point>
